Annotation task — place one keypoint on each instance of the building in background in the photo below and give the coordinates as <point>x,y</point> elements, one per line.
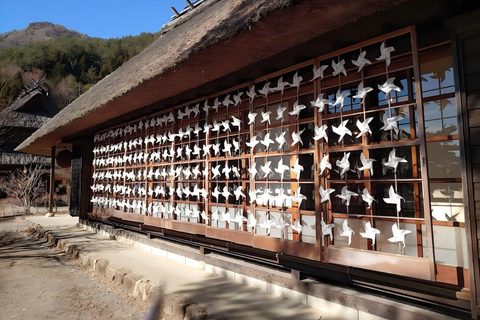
<point>360,119</point>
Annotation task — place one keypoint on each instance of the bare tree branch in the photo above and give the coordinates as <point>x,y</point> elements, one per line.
<point>24,185</point>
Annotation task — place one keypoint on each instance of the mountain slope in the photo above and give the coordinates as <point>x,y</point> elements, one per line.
<point>69,62</point>
<point>36,31</point>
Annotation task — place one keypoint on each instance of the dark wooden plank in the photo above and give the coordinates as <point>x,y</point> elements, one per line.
<point>475,155</point>
<point>474,117</point>
<point>477,210</point>
<point>474,132</point>
<point>473,100</point>
<point>470,46</point>
<point>87,157</point>
<point>472,64</point>
<point>476,191</point>
<point>476,173</point>
<point>472,82</point>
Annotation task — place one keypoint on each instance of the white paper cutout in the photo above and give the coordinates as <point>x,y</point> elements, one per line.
<point>266,169</point>
<point>367,164</point>
<point>197,151</point>
<point>216,104</point>
<point>391,123</point>
<point>267,141</point>
<point>281,140</point>
<point>339,68</point>
<point>370,232</point>
<point>364,127</point>
<point>253,170</point>
<point>216,149</point>
<point>216,126</point>
<point>320,103</point>
<point>388,86</point>
<point>325,194</point>
<point>362,91</point>
<point>327,229</point>
<point>296,81</point>
<point>206,128</point>
<point>281,85</point>
<point>236,145</point>
<point>251,118</point>
<point>318,72</point>
<point>281,196</point>
<point>238,193</point>
<point>346,195</point>
<point>394,198</point>
<point>204,217</point>
<point>216,172</point>
<point>214,215</point>
<point>361,61</point>
<point>399,234</point>
<point>281,168</point>
<point>385,53</point>
<point>266,117</point>
<point>251,222</point>
<point>297,168</point>
<point>251,93</point>
<point>225,217</point>
<point>227,147</point>
<point>266,196</point>
<point>265,90</point>
<point>340,98</point>
<point>237,98</point>
<point>296,137</point>
<point>325,164</point>
<point>280,111</point>
<point>226,171</point>
<point>297,109</point>
<point>342,130</point>
<point>239,219</point>
<point>236,122</point>
<point>297,226</point>
<point>226,101</point>
<point>267,224</point>
<point>367,197</point>
<point>226,193</point>
<point>393,161</point>
<point>347,232</point>
<point>226,126</point>
<point>253,142</point>
<point>181,115</point>
<point>206,149</point>
<point>321,133</point>
<point>298,197</point>
<point>252,194</point>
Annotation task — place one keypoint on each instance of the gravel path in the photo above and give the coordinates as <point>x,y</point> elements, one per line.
<point>38,283</point>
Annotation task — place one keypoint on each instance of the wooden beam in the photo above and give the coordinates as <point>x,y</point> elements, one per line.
<point>52,180</point>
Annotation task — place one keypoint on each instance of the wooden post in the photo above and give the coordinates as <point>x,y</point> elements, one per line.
<point>52,181</point>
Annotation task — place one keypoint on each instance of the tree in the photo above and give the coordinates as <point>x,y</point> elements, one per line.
<point>23,185</point>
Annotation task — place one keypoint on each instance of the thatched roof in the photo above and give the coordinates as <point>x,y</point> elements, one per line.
<point>32,109</point>
<point>212,41</point>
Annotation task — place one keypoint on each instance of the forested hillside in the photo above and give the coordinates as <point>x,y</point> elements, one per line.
<point>69,66</point>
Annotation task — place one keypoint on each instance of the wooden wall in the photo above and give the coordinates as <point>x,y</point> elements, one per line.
<point>466,40</point>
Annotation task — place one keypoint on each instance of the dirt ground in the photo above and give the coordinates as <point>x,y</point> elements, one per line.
<point>9,207</point>
<point>38,283</point>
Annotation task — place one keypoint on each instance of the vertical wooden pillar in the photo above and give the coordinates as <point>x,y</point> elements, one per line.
<point>52,180</point>
<point>86,176</point>
<point>465,38</point>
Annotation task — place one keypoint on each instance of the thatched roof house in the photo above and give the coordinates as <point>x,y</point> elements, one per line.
<point>401,216</point>
<point>232,34</point>
<point>30,111</point>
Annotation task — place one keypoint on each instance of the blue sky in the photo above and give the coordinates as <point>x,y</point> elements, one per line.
<point>103,19</point>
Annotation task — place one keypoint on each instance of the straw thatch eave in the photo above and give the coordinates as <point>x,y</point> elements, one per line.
<point>225,36</point>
